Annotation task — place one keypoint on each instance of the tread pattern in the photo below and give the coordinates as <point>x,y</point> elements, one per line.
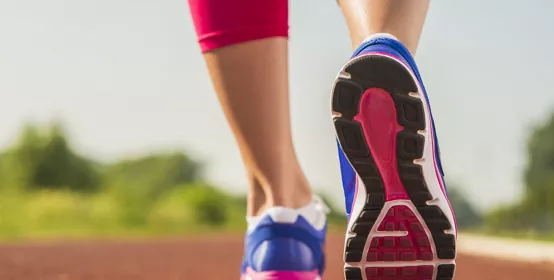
<point>383,72</point>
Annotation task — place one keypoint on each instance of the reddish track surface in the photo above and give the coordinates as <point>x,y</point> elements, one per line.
<point>207,258</point>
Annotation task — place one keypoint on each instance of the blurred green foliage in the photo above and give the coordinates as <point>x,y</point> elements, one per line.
<point>47,189</point>
<point>467,217</point>
<point>533,215</point>
<point>42,159</point>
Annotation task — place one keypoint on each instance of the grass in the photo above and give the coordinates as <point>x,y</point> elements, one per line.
<point>189,210</point>
<point>54,214</point>
<point>185,211</point>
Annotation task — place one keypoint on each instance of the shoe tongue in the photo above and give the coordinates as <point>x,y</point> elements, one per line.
<point>314,213</point>
<point>379,35</point>
<point>320,205</point>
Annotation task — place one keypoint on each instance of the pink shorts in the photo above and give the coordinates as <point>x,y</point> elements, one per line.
<point>221,23</point>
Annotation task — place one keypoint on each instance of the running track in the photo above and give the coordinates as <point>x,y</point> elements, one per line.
<point>206,258</point>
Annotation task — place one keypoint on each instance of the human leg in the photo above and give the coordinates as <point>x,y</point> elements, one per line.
<point>246,49</point>
<point>402,18</point>
<point>245,46</point>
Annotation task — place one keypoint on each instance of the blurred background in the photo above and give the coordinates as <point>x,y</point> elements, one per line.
<point>100,103</point>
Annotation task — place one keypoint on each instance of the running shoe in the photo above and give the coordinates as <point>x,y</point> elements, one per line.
<point>286,244</point>
<point>401,225</point>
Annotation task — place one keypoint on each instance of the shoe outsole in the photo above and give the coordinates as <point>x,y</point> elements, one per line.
<point>399,234</point>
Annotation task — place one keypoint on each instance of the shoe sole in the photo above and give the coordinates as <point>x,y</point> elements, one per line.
<point>401,226</point>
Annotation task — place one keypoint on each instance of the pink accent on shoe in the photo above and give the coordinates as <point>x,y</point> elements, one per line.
<point>431,128</point>
<point>412,247</point>
<point>407,273</point>
<point>415,245</point>
<point>377,117</point>
<point>439,177</point>
<point>280,275</point>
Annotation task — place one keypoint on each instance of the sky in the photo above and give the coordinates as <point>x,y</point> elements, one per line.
<point>127,77</point>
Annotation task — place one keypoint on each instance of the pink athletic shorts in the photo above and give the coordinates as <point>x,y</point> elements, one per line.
<point>221,23</point>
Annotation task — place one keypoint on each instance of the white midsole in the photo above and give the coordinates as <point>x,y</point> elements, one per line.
<point>375,233</point>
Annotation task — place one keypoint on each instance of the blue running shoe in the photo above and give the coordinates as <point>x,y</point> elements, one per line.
<point>401,224</point>
<point>286,244</point>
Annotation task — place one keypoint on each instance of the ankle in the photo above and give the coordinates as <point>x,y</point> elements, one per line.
<point>294,200</point>
<point>296,193</point>
<point>290,190</point>
<point>258,201</point>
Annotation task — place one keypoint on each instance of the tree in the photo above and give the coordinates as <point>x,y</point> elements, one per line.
<point>535,211</point>
<point>539,172</point>
<point>43,158</point>
<point>155,173</point>
<point>466,215</point>
<point>139,182</point>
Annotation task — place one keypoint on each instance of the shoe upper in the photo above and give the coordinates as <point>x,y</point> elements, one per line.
<point>286,240</point>
<point>385,44</point>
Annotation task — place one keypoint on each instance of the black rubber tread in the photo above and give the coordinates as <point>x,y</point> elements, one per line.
<point>352,273</point>
<point>446,272</point>
<point>390,75</point>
